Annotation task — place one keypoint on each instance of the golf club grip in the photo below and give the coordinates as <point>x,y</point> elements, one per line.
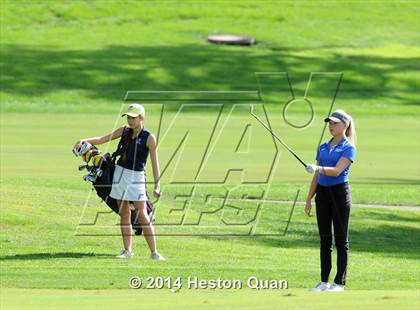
<point>300,160</point>
<point>278,139</point>
<point>290,150</point>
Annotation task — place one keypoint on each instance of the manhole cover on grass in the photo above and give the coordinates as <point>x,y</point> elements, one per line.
<point>231,39</point>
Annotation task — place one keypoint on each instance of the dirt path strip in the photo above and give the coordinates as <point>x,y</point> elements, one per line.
<point>357,205</point>
<point>406,208</point>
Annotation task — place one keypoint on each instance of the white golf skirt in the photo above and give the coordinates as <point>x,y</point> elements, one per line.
<point>128,184</point>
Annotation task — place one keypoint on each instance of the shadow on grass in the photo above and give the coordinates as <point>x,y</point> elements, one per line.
<point>393,217</point>
<point>36,256</point>
<point>386,240</point>
<point>108,73</point>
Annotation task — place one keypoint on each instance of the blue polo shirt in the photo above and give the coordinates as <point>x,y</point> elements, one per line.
<point>327,157</point>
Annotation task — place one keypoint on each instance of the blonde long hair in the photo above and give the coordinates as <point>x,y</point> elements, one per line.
<point>351,128</point>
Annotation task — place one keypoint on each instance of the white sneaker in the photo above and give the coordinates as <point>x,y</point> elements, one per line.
<point>321,286</point>
<point>157,256</point>
<point>125,254</point>
<point>336,288</point>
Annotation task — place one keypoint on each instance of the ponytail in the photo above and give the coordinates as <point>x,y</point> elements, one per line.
<point>351,129</point>
<point>351,132</point>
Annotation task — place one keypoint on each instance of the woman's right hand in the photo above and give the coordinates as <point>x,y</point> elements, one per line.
<point>308,207</point>
<point>77,143</point>
<point>76,147</point>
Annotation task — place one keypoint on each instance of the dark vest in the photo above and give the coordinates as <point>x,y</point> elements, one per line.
<point>136,151</point>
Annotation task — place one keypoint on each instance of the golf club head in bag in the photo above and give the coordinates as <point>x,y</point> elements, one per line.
<point>81,148</point>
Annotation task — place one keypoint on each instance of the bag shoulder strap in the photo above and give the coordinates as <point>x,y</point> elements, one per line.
<point>121,148</point>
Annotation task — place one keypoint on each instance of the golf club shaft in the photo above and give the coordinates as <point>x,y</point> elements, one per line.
<point>278,139</point>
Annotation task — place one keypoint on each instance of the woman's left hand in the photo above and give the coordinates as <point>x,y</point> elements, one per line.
<point>156,192</point>
<point>311,168</point>
<point>308,207</point>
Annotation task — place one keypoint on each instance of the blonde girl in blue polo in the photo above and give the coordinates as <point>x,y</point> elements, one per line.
<point>333,200</point>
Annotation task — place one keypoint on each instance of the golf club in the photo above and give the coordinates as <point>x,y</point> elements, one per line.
<point>251,110</point>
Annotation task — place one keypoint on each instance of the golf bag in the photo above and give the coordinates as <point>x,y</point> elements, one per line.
<point>101,176</point>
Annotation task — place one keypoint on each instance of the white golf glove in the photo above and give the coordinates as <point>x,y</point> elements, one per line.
<point>310,168</point>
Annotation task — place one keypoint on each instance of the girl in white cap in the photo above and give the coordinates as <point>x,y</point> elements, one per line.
<point>333,199</point>
<point>129,182</point>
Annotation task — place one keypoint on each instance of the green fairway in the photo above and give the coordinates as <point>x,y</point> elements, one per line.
<point>44,246</point>
<point>374,178</point>
<point>228,187</point>
<point>243,299</point>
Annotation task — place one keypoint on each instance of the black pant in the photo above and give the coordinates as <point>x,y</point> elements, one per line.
<point>333,205</point>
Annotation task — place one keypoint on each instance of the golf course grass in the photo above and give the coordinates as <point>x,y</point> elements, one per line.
<point>227,208</point>
<point>247,299</point>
